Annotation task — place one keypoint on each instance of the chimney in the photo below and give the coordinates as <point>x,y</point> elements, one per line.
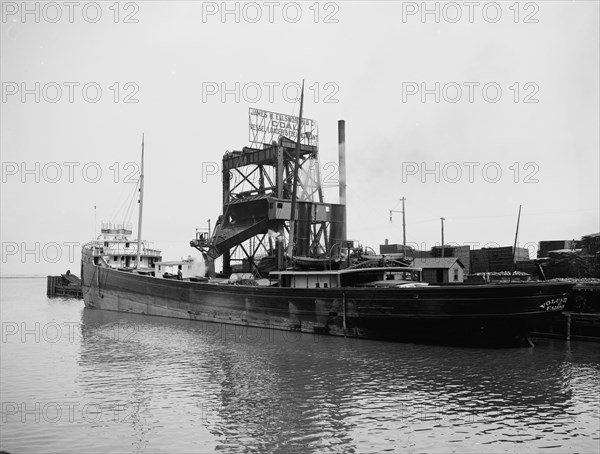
<point>342,170</point>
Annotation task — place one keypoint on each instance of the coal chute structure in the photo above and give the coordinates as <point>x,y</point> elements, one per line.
<point>252,233</point>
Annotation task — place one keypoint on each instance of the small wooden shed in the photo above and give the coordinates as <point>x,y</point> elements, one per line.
<point>438,270</point>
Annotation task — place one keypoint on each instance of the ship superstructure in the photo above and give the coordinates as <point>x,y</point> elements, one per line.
<point>116,248</point>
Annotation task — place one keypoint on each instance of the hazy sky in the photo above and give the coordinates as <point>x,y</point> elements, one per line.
<point>467,111</point>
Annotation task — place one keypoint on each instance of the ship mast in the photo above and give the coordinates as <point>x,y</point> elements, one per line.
<point>141,202</point>
<point>290,251</point>
<point>515,247</point>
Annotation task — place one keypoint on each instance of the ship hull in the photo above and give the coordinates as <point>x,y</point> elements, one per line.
<point>457,314</point>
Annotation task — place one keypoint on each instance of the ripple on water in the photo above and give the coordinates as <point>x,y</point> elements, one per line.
<point>163,385</point>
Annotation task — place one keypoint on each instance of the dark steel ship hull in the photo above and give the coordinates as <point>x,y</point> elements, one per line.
<point>482,314</point>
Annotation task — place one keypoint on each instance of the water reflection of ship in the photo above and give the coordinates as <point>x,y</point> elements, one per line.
<point>233,381</point>
<point>106,359</point>
<point>307,393</point>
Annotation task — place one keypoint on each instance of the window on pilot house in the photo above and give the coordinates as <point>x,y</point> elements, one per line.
<point>456,274</point>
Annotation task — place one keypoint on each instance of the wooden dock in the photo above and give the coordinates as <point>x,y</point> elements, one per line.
<point>65,286</point>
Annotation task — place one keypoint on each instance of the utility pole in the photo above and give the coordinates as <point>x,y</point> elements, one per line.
<point>403,229</point>
<point>443,219</point>
<point>403,225</point>
<point>208,229</point>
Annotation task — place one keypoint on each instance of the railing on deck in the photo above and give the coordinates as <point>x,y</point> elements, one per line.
<point>120,249</point>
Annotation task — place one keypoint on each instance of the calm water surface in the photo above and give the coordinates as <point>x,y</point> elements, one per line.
<point>77,380</point>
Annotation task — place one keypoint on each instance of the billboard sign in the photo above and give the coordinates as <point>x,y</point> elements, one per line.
<point>266,127</point>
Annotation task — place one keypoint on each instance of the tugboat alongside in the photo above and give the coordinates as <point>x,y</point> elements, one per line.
<point>316,281</point>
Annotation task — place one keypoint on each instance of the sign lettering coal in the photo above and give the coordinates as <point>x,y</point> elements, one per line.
<point>266,127</point>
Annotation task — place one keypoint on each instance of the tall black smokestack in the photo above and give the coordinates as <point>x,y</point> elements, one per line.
<point>342,170</point>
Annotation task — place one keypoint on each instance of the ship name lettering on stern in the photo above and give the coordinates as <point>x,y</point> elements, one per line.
<point>557,304</point>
